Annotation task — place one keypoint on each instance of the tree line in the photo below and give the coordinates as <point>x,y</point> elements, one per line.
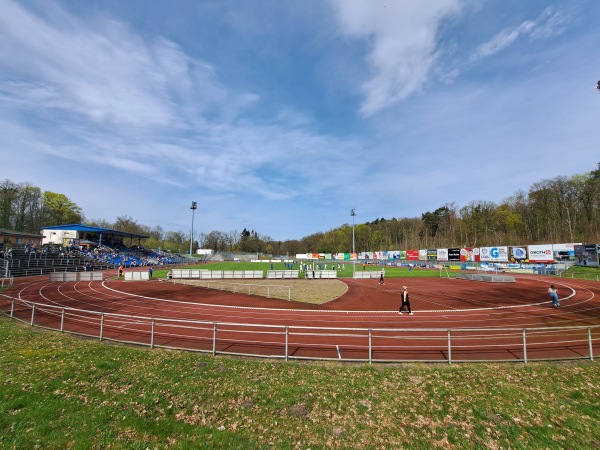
<point>558,210</point>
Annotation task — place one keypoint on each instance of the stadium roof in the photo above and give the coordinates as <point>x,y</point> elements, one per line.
<point>5,232</point>
<point>89,229</point>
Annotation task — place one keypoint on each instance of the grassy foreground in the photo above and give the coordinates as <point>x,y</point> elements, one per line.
<point>63,392</point>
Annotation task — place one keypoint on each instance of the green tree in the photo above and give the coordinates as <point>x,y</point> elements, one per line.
<point>9,193</point>
<point>57,209</point>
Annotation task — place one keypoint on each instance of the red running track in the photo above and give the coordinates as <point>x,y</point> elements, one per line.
<point>454,320</point>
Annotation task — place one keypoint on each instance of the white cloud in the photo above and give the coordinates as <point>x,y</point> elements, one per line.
<point>147,109</point>
<point>402,40</point>
<point>550,23</point>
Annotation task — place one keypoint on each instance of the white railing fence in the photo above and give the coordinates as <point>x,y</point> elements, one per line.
<point>372,345</point>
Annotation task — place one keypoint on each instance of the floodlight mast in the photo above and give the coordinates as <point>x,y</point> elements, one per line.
<point>353,214</point>
<point>194,207</point>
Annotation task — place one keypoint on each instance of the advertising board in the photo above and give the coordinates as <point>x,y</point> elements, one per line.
<point>495,254</point>
<point>587,254</point>
<point>442,254</point>
<point>469,254</point>
<point>540,253</point>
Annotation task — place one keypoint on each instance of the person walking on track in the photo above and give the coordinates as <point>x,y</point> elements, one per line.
<point>553,295</point>
<point>405,301</point>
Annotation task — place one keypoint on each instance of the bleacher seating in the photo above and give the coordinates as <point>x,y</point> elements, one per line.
<point>24,262</point>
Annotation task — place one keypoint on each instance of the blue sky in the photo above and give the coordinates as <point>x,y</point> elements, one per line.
<point>281,116</point>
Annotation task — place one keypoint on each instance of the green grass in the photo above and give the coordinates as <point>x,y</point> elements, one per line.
<point>64,392</point>
<point>581,272</point>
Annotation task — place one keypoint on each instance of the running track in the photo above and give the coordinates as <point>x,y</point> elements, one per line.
<point>454,320</point>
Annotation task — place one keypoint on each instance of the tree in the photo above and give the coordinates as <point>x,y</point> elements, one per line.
<point>57,209</point>
<point>9,192</point>
<point>28,210</point>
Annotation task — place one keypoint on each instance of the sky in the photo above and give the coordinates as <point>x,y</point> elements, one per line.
<point>280,116</point>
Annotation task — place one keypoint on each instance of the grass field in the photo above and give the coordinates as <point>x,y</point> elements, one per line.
<point>61,392</point>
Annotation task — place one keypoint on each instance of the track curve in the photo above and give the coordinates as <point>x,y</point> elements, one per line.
<point>455,320</point>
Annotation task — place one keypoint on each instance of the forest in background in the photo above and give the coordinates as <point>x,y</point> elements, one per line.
<point>558,210</point>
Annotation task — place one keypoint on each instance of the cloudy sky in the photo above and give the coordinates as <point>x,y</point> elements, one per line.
<point>281,116</point>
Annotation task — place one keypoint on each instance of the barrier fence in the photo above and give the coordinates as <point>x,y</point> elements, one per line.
<point>204,274</point>
<point>372,345</point>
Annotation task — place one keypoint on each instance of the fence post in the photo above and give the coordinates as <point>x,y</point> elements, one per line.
<point>101,326</point>
<point>370,347</point>
<point>214,352</point>
<point>32,314</point>
<point>152,335</point>
<point>590,344</point>
<point>449,347</point>
<point>12,309</point>
<point>62,320</point>
<point>287,334</point>
<point>524,347</point>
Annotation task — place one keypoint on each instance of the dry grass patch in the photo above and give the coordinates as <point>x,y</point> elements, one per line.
<point>315,292</point>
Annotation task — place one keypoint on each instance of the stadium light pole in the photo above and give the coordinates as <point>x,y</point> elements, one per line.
<point>194,207</point>
<point>353,214</point>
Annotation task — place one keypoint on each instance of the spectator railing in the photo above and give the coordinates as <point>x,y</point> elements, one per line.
<point>372,345</point>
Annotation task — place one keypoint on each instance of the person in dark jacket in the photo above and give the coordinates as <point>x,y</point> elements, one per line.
<point>405,301</point>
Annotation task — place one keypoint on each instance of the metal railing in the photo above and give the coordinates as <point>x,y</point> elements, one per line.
<point>372,345</point>
<point>580,276</point>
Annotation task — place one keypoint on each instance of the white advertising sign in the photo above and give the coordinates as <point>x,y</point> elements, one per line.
<point>540,253</point>
<point>494,254</point>
<point>442,254</point>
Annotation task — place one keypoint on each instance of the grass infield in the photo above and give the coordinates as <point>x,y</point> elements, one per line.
<point>63,392</point>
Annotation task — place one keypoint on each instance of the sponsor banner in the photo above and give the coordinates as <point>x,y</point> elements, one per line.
<point>393,255</point>
<point>587,254</point>
<point>412,255</point>
<point>518,253</point>
<point>423,254</point>
<point>442,254</point>
<point>454,254</point>
<point>540,253</point>
<point>564,252</point>
<point>469,254</point>
<point>494,254</point>
<point>432,254</point>
<point>403,254</point>
<point>303,255</point>
<point>379,255</point>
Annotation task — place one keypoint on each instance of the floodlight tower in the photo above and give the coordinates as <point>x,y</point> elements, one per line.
<point>353,214</point>
<point>194,207</point>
